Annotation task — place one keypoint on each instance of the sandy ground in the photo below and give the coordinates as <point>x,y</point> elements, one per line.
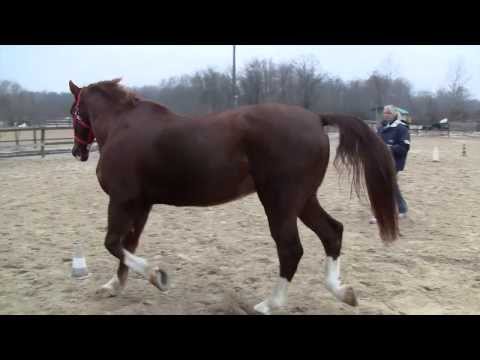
<point>222,260</point>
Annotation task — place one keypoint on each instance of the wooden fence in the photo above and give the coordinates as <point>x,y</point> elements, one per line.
<point>35,141</point>
<point>41,143</point>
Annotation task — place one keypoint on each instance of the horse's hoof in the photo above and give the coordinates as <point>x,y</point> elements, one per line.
<point>263,308</point>
<point>111,288</point>
<point>349,297</point>
<point>106,292</point>
<point>159,278</point>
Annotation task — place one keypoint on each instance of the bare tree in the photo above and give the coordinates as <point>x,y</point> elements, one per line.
<point>378,87</point>
<point>389,68</point>
<point>454,98</point>
<point>308,81</point>
<point>252,82</point>
<point>295,82</point>
<point>400,93</point>
<point>458,82</point>
<point>286,83</point>
<point>425,108</point>
<point>271,79</point>
<point>458,79</point>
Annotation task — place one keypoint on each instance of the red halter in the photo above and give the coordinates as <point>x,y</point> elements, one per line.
<point>78,119</point>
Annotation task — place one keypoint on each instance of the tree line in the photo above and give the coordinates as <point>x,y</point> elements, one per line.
<point>298,82</point>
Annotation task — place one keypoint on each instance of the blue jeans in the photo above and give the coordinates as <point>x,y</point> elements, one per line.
<point>401,203</point>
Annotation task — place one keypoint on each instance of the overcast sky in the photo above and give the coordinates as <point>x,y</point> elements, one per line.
<point>49,68</point>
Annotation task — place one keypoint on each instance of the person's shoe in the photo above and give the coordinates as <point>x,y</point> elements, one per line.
<point>373,220</point>
<point>402,215</point>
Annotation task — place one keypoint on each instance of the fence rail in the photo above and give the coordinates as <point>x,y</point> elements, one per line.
<point>40,141</point>
<point>14,143</point>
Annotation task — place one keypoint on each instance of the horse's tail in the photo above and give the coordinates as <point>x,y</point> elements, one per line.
<point>361,149</point>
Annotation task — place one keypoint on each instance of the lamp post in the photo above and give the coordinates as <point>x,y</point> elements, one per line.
<point>234,79</point>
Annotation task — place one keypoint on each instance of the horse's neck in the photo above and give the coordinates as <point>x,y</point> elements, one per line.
<point>102,116</point>
<point>101,128</point>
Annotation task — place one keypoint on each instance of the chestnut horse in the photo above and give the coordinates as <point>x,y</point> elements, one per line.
<point>150,155</point>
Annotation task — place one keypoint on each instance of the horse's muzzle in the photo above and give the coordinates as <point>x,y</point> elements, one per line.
<point>80,152</point>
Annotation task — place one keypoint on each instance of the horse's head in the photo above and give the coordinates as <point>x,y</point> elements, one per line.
<point>82,127</point>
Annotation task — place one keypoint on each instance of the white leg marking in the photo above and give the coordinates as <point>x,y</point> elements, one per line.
<point>333,274</point>
<point>136,263</point>
<point>156,276</point>
<point>114,286</point>
<point>343,293</point>
<point>276,300</point>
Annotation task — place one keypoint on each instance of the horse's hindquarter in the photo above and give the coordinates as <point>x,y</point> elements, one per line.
<point>286,141</point>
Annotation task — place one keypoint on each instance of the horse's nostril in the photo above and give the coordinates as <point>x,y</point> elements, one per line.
<point>76,153</point>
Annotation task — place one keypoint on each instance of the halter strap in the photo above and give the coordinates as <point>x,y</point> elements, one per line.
<point>77,118</point>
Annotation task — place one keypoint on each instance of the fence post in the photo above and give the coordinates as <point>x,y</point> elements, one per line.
<point>35,136</point>
<point>42,141</point>
<point>16,137</point>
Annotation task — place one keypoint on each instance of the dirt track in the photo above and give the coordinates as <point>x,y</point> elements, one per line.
<point>222,259</point>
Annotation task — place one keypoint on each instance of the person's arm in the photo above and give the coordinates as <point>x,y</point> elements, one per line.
<point>402,146</point>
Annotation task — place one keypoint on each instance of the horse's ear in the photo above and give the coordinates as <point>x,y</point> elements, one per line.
<point>74,88</point>
<point>117,80</point>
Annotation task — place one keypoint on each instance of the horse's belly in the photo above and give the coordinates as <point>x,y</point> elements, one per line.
<point>217,185</point>
<point>213,192</point>
<point>238,190</point>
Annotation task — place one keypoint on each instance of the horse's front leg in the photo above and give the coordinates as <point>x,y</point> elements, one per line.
<point>130,243</point>
<point>125,225</point>
<point>99,176</point>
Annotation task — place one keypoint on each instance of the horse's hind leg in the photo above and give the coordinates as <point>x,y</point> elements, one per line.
<point>330,233</point>
<point>121,219</point>
<point>130,243</point>
<point>281,209</point>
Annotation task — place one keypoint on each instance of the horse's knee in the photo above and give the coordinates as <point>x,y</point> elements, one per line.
<point>297,251</point>
<point>114,245</point>
<point>333,240</point>
<point>130,242</point>
<point>289,256</point>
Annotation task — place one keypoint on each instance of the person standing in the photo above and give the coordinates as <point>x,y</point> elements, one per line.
<point>396,135</point>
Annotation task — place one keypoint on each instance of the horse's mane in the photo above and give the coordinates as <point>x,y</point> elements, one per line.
<point>120,95</point>
<point>115,92</point>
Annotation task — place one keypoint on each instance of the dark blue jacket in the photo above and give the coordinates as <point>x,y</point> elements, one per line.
<point>397,136</point>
